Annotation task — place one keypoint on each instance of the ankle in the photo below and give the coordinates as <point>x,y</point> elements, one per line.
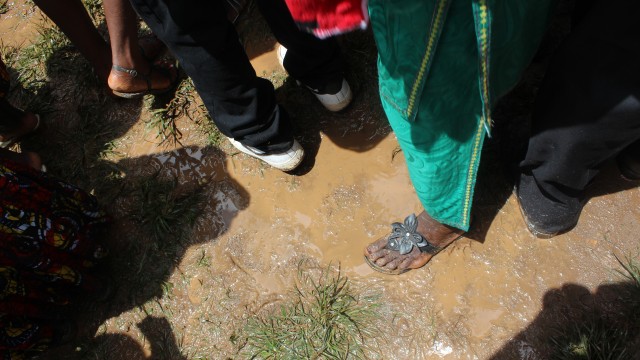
<point>433,230</point>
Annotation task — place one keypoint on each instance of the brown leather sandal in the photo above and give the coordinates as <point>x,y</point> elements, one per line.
<point>170,72</point>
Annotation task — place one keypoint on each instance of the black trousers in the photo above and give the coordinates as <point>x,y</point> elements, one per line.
<point>587,110</point>
<point>206,44</point>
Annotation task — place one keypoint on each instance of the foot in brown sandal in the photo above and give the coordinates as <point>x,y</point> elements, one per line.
<point>129,83</point>
<point>410,245</point>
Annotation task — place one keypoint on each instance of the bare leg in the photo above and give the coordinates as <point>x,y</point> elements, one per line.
<point>392,262</point>
<point>123,34</point>
<point>125,50</point>
<point>72,18</point>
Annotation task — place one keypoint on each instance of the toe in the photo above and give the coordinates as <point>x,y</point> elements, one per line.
<point>376,246</point>
<point>394,264</point>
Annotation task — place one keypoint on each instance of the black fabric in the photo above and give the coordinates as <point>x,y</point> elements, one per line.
<point>587,111</point>
<point>206,44</point>
<point>316,63</point>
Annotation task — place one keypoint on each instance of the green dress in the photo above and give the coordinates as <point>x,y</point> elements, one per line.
<point>442,64</point>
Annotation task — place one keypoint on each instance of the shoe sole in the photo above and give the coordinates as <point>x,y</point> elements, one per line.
<point>532,229</point>
<point>346,94</point>
<point>289,165</point>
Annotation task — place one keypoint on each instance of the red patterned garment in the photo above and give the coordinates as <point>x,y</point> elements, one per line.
<point>325,18</point>
<point>48,251</point>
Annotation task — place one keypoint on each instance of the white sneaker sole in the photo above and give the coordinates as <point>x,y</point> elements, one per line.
<point>285,161</point>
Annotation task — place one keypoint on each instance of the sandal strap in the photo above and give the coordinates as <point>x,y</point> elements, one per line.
<point>134,73</point>
<point>404,237</point>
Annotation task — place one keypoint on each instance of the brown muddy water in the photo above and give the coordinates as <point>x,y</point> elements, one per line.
<point>494,294</point>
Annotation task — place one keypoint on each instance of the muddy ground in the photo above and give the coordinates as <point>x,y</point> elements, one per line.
<point>497,293</point>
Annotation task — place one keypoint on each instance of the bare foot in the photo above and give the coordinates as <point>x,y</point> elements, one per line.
<point>28,124</point>
<point>32,159</point>
<point>392,262</point>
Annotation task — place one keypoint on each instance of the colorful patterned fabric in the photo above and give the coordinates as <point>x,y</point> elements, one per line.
<point>442,65</point>
<point>48,250</point>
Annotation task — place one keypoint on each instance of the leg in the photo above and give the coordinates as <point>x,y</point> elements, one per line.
<point>126,53</point>
<point>72,18</point>
<point>314,62</point>
<point>442,140</point>
<point>309,59</point>
<point>587,111</point>
<point>242,105</point>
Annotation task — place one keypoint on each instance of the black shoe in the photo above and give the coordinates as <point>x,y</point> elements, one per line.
<point>629,164</point>
<point>545,217</point>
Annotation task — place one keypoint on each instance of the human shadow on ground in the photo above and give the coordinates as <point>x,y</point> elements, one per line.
<point>141,259</point>
<point>79,123</point>
<point>77,130</point>
<point>577,324</point>
<point>157,332</point>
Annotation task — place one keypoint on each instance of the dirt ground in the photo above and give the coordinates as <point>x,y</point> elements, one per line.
<point>497,293</point>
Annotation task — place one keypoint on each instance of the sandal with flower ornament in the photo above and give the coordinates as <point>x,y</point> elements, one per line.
<point>405,246</point>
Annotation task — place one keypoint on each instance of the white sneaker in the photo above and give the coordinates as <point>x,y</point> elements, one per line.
<point>332,102</point>
<point>285,161</point>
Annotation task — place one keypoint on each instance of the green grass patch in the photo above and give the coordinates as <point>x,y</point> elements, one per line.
<point>609,332</point>
<point>326,319</point>
<point>163,210</point>
<point>187,103</point>
<point>593,340</point>
<point>95,10</point>
<point>630,271</point>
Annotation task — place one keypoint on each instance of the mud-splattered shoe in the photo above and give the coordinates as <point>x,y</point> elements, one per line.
<point>285,161</point>
<point>545,218</point>
<point>335,95</point>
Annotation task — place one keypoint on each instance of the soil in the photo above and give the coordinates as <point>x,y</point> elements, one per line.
<point>497,293</point>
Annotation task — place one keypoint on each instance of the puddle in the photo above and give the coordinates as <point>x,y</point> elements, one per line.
<point>260,223</point>
<point>15,30</point>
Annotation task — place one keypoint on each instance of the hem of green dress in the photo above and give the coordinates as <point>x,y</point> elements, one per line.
<point>472,175</point>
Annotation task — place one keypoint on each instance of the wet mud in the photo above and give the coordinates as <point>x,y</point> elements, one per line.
<point>478,299</point>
